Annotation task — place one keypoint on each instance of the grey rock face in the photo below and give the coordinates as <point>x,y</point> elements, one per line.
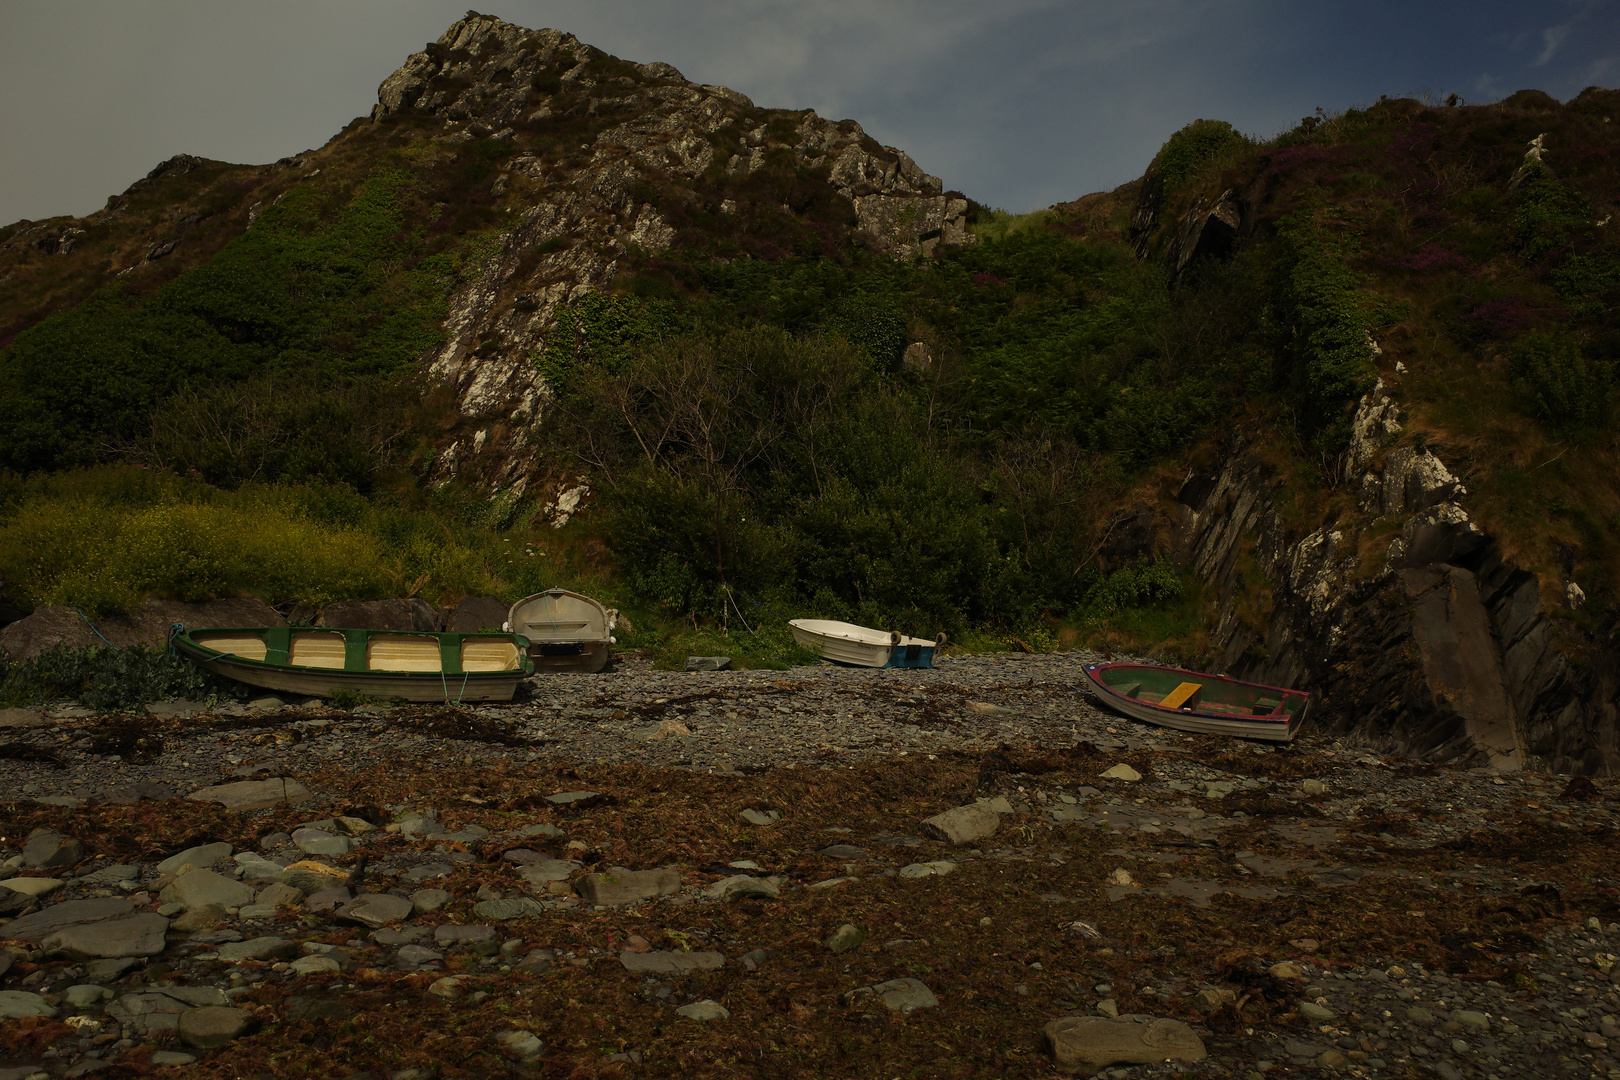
<point>17,1004</point>
<point>548,870</point>
<point>480,75</point>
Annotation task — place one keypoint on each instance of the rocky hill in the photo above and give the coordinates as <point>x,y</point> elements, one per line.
<point>1332,409</point>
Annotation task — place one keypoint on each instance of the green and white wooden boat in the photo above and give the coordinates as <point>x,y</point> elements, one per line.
<point>1193,701</point>
<point>412,665</point>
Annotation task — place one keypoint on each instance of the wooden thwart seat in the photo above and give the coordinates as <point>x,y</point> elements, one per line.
<point>1183,696</point>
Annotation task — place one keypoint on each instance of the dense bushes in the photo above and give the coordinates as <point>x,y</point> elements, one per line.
<point>1558,384</point>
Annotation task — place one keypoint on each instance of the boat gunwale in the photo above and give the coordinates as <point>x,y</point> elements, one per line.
<point>1268,720</point>
<point>190,645</point>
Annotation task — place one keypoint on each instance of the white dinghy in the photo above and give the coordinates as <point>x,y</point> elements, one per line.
<point>863,646</point>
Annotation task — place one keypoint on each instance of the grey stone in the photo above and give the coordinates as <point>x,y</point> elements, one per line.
<point>704,1010</point>
<point>548,870</point>
<point>313,877</point>
<point>543,829</point>
<point>23,718</point>
<point>905,995</point>
<point>315,964</point>
<point>762,818</point>
<point>1089,1043</point>
<point>402,935</point>
<point>48,850</point>
<point>522,856</point>
<point>200,888</point>
<point>147,1013</point>
<point>328,900</point>
<point>512,907</point>
<point>254,794</point>
<point>256,868</point>
<point>743,886</point>
<point>141,934</point>
<point>628,886</point>
<point>203,918</point>
<point>525,1045</point>
<point>260,948</point>
<point>846,937</point>
<point>427,871</point>
<point>563,798</point>
<point>377,909</point>
<point>672,963</point>
<point>1471,1018</point>
<point>963,825</point>
<point>320,842</point>
<point>418,954</point>
<point>85,995</point>
<point>195,995</point>
<point>426,900</point>
<point>212,1026</point>
<point>471,834</point>
<point>271,841</point>
<point>1316,1014</point>
<point>17,1004</point>
<point>41,924</point>
<point>938,868</point>
<point>1420,1016</point>
<point>842,851</point>
<point>106,971</point>
<point>278,894</point>
<point>708,663</point>
<point>462,935</point>
<point>167,1058</point>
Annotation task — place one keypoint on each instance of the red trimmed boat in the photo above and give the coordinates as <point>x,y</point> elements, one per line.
<point>1194,701</point>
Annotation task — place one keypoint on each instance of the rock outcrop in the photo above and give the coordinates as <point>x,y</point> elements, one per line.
<point>1405,620</point>
<point>584,210</point>
<point>147,625</point>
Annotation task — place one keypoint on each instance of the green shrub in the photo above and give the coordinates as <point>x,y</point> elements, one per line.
<point>1547,213</point>
<point>1558,383</point>
<point>1195,146</point>
<point>110,678</point>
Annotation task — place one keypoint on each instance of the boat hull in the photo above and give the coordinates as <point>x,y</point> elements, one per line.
<point>1276,726</point>
<point>861,646</point>
<point>567,631</point>
<point>355,661</point>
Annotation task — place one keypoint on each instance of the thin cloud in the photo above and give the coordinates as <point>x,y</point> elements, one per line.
<point>1552,37</point>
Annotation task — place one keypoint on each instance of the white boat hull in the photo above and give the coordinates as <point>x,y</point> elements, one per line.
<point>862,646</point>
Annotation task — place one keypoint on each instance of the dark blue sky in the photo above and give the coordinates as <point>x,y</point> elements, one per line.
<point>1019,103</point>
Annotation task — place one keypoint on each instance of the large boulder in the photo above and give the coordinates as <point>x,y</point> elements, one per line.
<point>147,625</point>
<point>409,613</point>
<point>476,613</point>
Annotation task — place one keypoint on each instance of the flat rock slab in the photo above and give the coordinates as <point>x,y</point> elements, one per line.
<point>763,818</point>
<point>937,868</point>
<point>201,857</point>
<point>462,935</point>
<point>418,954</point>
<point>254,794</point>
<point>212,1026</point>
<point>898,995</point>
<point>744,886</point>
<point>628,886</point>
<point>31,886</point>
<point>41,924</point>
<point>1089,1043</point>
<point>377,909</point>
<point>17,1004</point>
<point>512,907</point>
<point>320,842</point>
<point>962,825</point>
<point>261,948</point>
<point>141,934</point>
<point>328,900</point>
<point>200,888</point>
<point>147,1013</point>
<point>313,877</point>
<point>704,1010</point>
<point>427,871</point>
<point>672,963</point>
<point>23,718</point>
<point>48,850</point>
<point>564,798</point>
<point>548,870</point>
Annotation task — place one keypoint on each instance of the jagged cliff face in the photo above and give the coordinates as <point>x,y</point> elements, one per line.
<point>582,211</point>
<point>1403,617</point>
